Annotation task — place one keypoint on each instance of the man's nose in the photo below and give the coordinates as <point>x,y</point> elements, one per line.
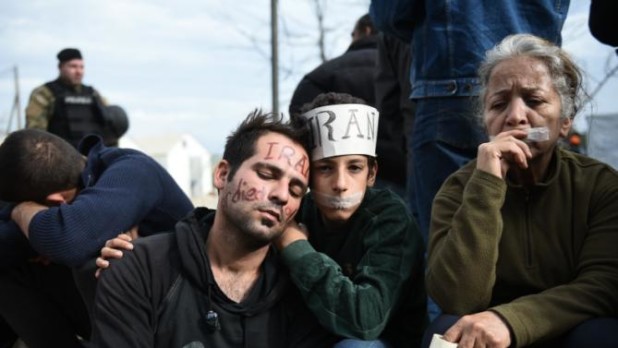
<point>280,193</point>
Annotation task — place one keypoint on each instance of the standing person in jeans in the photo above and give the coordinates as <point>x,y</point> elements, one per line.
<point>448,41</point>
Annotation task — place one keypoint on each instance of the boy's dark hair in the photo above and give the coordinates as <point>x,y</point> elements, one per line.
<point>324,99</point>
<point>35,163</point>
<point>240,145</point>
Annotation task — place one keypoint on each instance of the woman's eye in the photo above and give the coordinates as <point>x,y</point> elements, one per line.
<point>497,106</point>
<point>534,101</point>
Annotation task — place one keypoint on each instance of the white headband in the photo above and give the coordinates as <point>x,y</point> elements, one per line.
<point>343,129</point>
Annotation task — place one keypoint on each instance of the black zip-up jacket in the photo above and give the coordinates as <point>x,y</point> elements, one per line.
<point>352,73</point>
<point>163,294</point>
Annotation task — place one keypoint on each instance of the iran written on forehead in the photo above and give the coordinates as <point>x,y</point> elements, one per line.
<point>281,148</point>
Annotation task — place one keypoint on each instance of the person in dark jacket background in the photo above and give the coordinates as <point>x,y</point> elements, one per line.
<point>352,72</point>
<point>392,99</point>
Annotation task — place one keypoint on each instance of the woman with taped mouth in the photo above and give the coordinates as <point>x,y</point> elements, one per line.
<point>522,245</point>
<point>357,257</point>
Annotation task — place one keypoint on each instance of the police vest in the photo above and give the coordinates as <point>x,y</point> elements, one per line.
<point>75,114</point>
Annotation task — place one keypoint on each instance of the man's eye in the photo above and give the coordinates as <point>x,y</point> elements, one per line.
<point>297,191</point>
<point>265,174</point>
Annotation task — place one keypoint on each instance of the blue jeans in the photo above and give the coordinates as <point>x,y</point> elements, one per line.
<point>354,343</point>
<point>445,136</point>
<point>596,332</point>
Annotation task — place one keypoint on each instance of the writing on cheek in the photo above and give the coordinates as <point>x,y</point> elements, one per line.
<point>276,151</point>
<point>242,193</point>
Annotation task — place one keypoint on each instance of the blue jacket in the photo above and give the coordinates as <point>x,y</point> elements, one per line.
<point>449,38</point>
<point>121,188</point>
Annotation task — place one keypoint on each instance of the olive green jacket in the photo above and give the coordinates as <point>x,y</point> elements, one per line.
<point>542,258</point>
<point>366,280</point>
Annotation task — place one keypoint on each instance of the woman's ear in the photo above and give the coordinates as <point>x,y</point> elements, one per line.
<point>565,126</point>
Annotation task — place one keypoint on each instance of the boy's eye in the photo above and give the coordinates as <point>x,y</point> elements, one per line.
<point>355,168</point>
<point>323,169</point>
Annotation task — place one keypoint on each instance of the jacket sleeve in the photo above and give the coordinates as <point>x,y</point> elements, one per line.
<point>39,108</point>
<point>466,228</point>
<point>73,233</point>
<point>122,313</point>
<point>361,305</point>
<point>14,246</point>
<point>592,291</point>
<point>396,17</point>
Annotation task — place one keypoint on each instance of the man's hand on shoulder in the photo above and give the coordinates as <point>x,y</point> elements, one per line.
<point>113,249</point>
<point>485,329</point>
<point>23,213</point>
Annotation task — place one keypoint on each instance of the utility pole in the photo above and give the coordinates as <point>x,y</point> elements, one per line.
<point>274,43</point>
<point>16,110</point>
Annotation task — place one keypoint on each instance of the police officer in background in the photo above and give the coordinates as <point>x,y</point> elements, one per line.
<point>70,109</point>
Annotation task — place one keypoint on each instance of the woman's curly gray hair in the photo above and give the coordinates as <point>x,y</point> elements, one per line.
<point>565,75</point>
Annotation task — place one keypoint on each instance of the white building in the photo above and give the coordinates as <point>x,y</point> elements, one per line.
<point>602,139</point>
<point>187,161</point>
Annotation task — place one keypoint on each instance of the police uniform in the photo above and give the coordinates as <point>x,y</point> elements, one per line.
<point>67,111</point>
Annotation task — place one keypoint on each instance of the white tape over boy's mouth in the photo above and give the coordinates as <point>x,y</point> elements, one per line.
<point>337,202</point>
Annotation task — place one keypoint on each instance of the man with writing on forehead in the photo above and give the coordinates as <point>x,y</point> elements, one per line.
<point>216,281</point>
<point>360,269</point>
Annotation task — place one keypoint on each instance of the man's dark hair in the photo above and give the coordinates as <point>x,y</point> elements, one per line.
<point>35,163</point>
<point>365,23</point>
<point>240,145</point>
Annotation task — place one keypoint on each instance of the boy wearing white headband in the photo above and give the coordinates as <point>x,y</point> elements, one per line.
<point>358,259</point>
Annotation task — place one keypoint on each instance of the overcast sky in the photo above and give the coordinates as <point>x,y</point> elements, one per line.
<point>200,66</point>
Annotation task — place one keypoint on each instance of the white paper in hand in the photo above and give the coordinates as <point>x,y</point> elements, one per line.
<point>438,342</point>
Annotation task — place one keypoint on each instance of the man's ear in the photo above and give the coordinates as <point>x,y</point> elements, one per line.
<point>371,176</point>
<point>221,172</point>
<point>55,198</point>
